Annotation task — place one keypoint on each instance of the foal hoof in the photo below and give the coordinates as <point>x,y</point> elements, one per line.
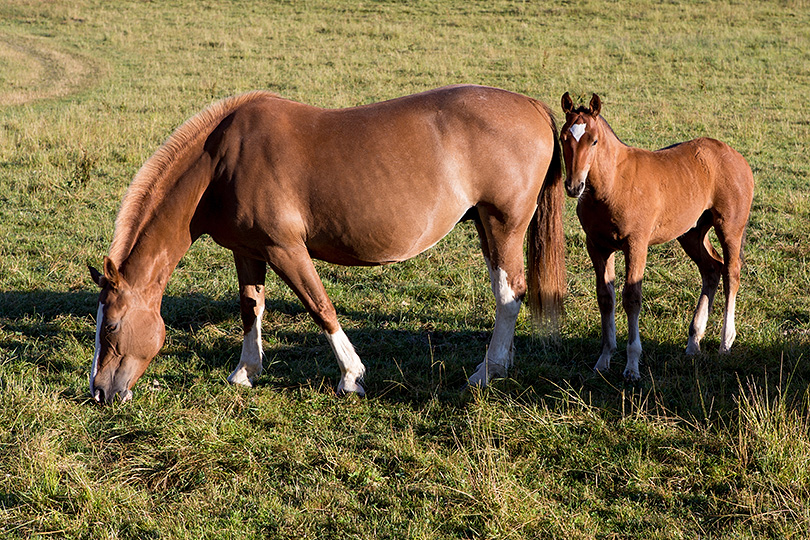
<point>631,375</point>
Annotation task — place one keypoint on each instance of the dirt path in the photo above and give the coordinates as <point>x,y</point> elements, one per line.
<point>33,69</point>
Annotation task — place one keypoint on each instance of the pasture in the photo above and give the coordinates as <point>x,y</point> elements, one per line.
<point>711,446</point>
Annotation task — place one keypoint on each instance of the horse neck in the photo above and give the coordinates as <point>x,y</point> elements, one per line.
<point>164,232</point>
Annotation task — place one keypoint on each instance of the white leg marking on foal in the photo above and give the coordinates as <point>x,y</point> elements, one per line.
<point>500,352</point>
<point>94,365</point>
<point>351,368</point>
<point>577,130</point>
<point>250,362</point>
<point>729,332</point>
<point>633,355</point>
<point>701,318</point>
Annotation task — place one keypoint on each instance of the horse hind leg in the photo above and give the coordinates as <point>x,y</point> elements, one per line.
<point>503,254</point>
<point>731,240</point>
<point>697,246</point>
<point>295,267</point>
<point>251,274</point>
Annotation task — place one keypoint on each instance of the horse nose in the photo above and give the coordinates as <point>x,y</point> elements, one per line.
<point>98,395</point>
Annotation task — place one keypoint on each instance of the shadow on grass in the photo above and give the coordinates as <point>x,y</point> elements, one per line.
<point>417,366</point>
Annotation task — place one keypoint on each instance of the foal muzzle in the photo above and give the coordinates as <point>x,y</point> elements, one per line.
<point>574,188</point>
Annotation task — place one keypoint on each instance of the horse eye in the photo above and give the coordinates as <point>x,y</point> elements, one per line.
<point>112,327</point>
<point>594,142</point>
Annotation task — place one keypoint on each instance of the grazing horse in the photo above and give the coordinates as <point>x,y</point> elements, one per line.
<point>280,183</point>
<point>630,199</point>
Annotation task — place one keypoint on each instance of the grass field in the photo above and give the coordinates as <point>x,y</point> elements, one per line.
<point>706,447</point>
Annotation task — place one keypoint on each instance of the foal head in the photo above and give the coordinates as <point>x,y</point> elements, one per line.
<point>129,333</point>
<point>579,136</point>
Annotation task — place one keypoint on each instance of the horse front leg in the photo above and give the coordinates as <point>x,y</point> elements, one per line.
<point>604,268</point>
<point>635,260</point>
<point>295,267</point>
<point>251,274</point>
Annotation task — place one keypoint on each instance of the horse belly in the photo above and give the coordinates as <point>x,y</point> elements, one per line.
<point>675,224</point>
<point>381,239</point>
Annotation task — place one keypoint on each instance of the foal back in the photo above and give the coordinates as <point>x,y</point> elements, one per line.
<point>687,179</point>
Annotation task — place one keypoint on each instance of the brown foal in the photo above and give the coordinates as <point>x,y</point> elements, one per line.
<point>630,199</point>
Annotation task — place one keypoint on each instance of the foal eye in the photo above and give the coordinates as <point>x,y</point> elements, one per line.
<point>594,142</point>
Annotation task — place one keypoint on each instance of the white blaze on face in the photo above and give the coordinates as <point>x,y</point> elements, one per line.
<point>577,130</point>
<point>94,366</point>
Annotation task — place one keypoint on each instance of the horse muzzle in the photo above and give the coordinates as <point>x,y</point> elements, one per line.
<point>107,398</point>
<point>106,386</point>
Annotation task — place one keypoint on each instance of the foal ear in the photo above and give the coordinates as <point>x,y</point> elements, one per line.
<point>567,103</point>
<point>111,273</point>
<point>595,106</point>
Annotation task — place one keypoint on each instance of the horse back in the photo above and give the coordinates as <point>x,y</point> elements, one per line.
<point>375,183</point>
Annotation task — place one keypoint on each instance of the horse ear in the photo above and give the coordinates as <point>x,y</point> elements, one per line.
<point>111,273</point>
<point>98,278</point>
<point>595,106</point>
<point>567,103</point>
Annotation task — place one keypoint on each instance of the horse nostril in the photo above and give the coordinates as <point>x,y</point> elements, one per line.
<point>99,396</point>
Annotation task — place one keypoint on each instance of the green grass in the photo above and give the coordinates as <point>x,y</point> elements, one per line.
<point>710,447</point>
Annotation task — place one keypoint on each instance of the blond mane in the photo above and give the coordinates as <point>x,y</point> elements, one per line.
<point>154,177</point>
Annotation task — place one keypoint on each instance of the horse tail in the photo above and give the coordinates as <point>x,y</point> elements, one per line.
<point>546,241</point>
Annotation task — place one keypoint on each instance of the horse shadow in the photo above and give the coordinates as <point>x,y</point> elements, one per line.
<point>416,365</point>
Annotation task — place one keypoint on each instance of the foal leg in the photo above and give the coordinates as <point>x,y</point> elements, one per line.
<point>695,243</point>
<point>251,274</point>
<point>604,267</point>
<point>503,253</point>
<point>731,239</point>
<point>295,267</point>
<point>635,257</point>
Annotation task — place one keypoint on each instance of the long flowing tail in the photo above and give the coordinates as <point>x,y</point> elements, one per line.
<point>546,270</point>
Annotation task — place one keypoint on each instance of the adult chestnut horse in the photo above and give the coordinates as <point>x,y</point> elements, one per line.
<point>280,183</point>
<point>630,199</point>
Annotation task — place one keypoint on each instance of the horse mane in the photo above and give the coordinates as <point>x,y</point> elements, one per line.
<point>154,177</point>
<point>611,130</point>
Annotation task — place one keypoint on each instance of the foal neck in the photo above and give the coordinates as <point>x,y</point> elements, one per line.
<point>610,152</point>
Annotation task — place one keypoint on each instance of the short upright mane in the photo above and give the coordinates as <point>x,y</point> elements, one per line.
<point>153,177</point>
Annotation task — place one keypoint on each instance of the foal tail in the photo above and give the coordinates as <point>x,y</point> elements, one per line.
<point>546,270</point>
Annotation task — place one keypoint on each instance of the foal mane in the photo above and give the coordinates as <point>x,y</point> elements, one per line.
<point>585,110</point>
<point>155,177</point>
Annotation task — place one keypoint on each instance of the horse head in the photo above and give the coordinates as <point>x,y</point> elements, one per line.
<point>579,136</point>
<point>129,333</point>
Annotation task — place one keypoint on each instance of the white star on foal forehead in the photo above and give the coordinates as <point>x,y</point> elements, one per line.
<point>577,130</point>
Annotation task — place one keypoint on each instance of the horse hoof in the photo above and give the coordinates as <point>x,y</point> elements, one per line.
<point>345,389</point>
<point>240,378</point>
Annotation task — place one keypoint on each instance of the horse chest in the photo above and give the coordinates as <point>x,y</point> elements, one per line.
<point>604,224</point>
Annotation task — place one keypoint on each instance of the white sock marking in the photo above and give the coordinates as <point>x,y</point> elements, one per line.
<point>351,368</point>
<point>729,332</point>
<point>500,352</point>
<point>250,361</point>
